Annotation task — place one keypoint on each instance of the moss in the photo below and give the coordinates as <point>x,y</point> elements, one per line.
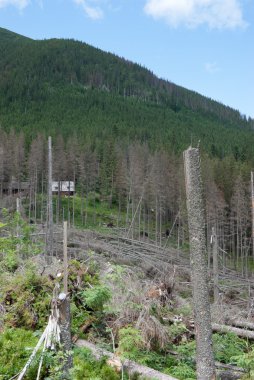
<point>26,298</point>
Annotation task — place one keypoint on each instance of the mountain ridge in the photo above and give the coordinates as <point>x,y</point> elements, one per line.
<point>58,85</point>
<point>153,80</point>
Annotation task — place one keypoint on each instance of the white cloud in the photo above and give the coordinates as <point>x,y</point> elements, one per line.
<point>212,67</point>
<point>21,4</point>
<point>192,13</point>
<point>92,10</point>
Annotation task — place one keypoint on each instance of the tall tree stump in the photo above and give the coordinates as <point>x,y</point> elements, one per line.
<point>198,261</point>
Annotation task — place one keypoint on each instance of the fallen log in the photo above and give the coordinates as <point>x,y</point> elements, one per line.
<point>228,375</point>
<point>241,323</point>
<point>239,332</point>
<point>128,365</point>
<point>231,367</point>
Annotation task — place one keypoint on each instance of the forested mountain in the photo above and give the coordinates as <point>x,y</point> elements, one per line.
<point>64,86</point>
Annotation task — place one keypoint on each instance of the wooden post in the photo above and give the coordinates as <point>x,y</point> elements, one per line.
<point>65,312</point>
<point>215,267</point>
<point>198,261</point>
<point>49,247</point>
<point>252,209</point>
<point>18,205</point>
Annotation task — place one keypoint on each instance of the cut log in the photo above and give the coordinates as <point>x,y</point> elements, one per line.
<point>239,332</point>
<point>128,365</point>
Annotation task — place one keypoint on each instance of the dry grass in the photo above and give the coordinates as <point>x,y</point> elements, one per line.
<point>138,302</point>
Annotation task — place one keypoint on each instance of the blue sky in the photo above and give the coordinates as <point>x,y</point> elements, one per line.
<point>203,45</point>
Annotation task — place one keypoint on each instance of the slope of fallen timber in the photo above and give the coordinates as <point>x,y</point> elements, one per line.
<point>148,255</point>
<point>235,289</point>
<point>157,262</point>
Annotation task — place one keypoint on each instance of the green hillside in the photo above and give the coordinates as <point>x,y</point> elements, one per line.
<point>64,86</point>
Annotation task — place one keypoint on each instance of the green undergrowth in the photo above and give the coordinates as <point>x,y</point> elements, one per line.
<point>86,212</point>
<point>96,212</point>
<point>16,346</point>
<point>178,360</point>
<point>15,242</point>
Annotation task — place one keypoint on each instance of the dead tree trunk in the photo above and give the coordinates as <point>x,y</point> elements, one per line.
<point>65,313</point>
<point>198,262</point>
<point>49,247</point>
<point>65,328</point>
<point>252,210</point>
<point>215,267</point>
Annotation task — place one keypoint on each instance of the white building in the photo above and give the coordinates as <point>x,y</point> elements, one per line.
<point>63,187</point>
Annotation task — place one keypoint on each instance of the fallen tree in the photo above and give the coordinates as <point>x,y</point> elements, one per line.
<point>239,332</point>
<point>241,323</point>
<point>128,365</point>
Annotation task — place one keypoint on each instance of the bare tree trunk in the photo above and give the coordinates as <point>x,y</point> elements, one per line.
<point>198,261</point>
<point>30,201</point>
<point>35,196</point>
<point>156,221</point>
<point>82,207</point>
<point>139,221</point>
<point>49,247</point>
<point>160,222</point>
<point>42,198</point>
<point>215,267</point>
<point>86,209</point>
<point>148,221</point>
<point>252,209</point>
<point>73,201</point>
<point>127,210</point>
<point>58,207</point>
<point>65,313</point>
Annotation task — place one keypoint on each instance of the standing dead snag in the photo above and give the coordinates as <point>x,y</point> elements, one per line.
<point>252,210</point>
<point>65,313</point>
<point>49,236</point>
<point>198,262</point>
<point>215,266</point>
